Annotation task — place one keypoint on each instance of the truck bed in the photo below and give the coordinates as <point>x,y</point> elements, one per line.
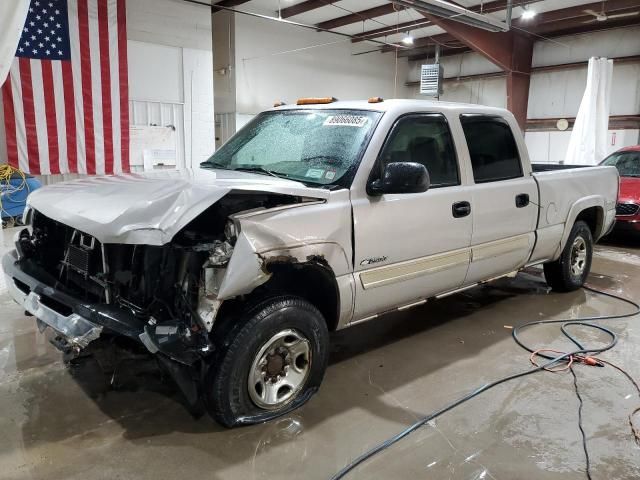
<point>562,186</point>
<point>548,167</point>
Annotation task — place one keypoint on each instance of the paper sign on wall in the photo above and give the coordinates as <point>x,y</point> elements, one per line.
<point>152,146</point>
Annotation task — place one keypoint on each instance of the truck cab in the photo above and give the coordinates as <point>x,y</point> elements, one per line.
<point>475,221</point>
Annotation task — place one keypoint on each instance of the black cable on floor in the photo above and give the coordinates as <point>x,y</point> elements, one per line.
<point>583,322</point>
<point>584,435</point>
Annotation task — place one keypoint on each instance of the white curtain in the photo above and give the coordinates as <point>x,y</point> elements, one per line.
<point>13,14</point>
<point>588,143</point>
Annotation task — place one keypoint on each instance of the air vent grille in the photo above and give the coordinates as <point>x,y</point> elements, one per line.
<point>431,80</point>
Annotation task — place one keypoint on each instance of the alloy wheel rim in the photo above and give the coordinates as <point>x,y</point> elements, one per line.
<point>578,256</point>
<point>279,370</point>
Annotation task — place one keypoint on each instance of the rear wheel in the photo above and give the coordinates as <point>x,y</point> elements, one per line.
<point>271,362</point>
<point>570,271</point>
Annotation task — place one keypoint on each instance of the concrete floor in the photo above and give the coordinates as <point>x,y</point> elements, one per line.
<point>66,423</point>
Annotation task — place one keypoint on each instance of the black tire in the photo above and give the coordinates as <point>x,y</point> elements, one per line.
<point>559,274</point>
<point>226,389</point>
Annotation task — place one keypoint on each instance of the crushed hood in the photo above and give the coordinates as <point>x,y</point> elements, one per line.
<point>150,208</point>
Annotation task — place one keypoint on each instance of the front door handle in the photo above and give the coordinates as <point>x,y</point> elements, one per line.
<point>461,209</point>
<point>522,200</point>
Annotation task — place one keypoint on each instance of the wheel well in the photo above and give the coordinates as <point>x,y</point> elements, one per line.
<point>593,217</point>
<point>314,281</point>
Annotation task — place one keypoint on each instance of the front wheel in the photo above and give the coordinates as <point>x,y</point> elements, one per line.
<point>571,270</point>
<point>271,362</point>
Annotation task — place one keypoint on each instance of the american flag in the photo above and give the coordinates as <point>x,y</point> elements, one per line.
<point>65,101</point>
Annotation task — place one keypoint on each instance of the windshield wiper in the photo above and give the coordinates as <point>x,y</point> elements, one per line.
<point>208,164</point>
<point>260,170</point>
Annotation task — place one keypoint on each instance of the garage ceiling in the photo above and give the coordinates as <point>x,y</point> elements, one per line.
<point>383,20</point>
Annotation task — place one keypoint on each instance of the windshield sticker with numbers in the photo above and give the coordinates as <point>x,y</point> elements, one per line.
<point>346,121</point>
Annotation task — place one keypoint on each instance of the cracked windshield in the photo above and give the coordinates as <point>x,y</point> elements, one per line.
<point>318,147</point>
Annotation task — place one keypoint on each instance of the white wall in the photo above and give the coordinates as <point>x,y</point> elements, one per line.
<point>621,42</point>
<point>171,70</point>
<point>550,147</point>
<point>264,74</point>
<point>559,93</point>
<point>224,78</point>
<point>223,24</point>
<point>487,91</point>
<point>169,22</point>
<point>198,99</point>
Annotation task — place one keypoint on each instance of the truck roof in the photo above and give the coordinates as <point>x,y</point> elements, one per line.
<point>399,106</point>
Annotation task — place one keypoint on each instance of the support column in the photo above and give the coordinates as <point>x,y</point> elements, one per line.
<point>511,51</point>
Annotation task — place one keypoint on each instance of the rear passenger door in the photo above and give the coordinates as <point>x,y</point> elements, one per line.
<point>503,199</point>
<point>412,246</point>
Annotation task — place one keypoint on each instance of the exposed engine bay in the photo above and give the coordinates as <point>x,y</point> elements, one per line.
<point>166,295</point>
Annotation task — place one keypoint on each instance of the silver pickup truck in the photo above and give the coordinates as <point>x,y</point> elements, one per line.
<point>312,218</point>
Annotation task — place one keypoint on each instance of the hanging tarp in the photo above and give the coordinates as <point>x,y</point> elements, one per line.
<point>588,143</point>
<point>12,16</point>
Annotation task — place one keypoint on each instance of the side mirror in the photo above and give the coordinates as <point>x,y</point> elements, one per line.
<point>401,177</point>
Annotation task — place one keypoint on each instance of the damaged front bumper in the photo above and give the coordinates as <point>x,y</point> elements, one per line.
<point>78,332</point>
<point>77,323</point>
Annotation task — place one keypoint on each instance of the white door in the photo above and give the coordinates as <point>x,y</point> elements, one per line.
<point>503,200</point>
<point>412,246</point>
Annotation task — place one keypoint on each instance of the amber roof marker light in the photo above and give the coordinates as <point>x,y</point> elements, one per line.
<point>316,100</point>
<point>278,104</point>
<point>375,100</point>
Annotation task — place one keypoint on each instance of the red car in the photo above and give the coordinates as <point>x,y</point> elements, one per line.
<point>627,161</point>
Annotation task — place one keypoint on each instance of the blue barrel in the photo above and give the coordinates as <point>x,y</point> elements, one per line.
<point>14,195</point>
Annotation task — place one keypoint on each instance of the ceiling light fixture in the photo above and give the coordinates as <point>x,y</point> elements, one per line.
<point>449,11</point>
<point>407,39</point>
<point>527,13</point>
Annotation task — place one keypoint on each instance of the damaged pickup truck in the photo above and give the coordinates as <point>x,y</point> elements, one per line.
<point>312,218</point>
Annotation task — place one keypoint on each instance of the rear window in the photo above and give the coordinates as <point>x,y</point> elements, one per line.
<point>627,163</point>
<point>492,147</point>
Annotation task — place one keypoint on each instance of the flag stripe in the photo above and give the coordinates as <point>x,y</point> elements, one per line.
<point>69,117</point>
<point>60,112</point>
<point>40,116</point>
<point>114,69</point>
<point>77,98</point>
<point>103,35</point>
<point>124,83</point>
<point>96,85</point>
<point>18,107</point>
<point>50,112</point>
<point>29,115</point>
<point>87,94</point>
<point>10,123</point>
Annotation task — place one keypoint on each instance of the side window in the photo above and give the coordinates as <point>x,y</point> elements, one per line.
<point>424,139</point>
<point>493,150</point>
